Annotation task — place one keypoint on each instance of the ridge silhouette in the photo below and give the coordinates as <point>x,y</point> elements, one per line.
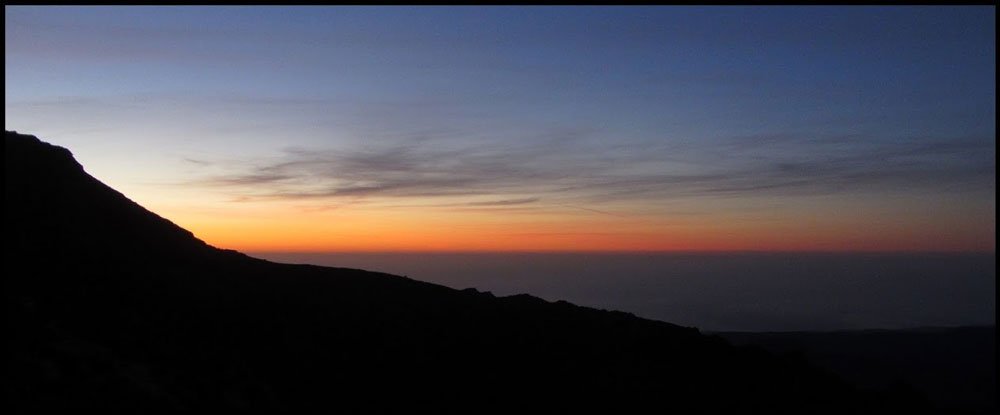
<point>111,307</point>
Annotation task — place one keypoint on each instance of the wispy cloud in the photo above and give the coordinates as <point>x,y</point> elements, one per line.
<point>569,168</point>
<point>506,202</point>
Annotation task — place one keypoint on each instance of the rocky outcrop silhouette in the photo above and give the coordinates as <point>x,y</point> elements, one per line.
<point>113,308</point>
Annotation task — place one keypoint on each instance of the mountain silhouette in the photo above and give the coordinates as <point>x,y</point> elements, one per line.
<point>954,366</point>
<point>113,308</point>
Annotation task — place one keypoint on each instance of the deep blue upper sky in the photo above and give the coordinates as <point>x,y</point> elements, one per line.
<point>648,111</point>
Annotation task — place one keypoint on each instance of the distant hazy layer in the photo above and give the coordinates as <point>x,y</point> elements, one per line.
<point>751,292</point>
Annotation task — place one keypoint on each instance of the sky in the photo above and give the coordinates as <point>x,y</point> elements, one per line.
<point>670,128</point>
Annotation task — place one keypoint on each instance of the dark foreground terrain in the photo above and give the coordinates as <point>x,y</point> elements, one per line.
<point>110,307</point>
<point>955,367</point>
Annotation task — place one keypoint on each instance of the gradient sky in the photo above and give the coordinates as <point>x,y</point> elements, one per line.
<point>526,128</point>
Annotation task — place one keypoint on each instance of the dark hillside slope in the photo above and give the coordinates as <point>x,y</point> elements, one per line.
<point>112,307</point>
<point>955,366</point>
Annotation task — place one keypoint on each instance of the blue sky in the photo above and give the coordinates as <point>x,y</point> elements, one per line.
<point>842,115</point>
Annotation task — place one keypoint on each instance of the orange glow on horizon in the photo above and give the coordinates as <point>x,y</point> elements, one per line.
<point>430,233</point>
<point>822,226</point>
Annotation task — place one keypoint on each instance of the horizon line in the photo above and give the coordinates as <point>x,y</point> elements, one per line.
<point>620,252</point>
